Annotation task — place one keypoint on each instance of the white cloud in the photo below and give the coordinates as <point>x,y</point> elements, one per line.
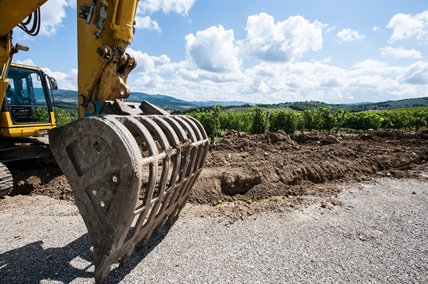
<point>369,63</point>
<point>146,63</point>
<point>385,82</point>
<point>281,42</point>
<point>213,50</point>
<point>66,81</point>
<point>347,35</point>
<point>330,82</point>
<point>406,26</point>
<point>375,28</point>
<point>325,60</point>
<point>146,23</point>
<point>187,74</point>
<point>417,74</point>
<point>211,59</point>
<point>52,14</point>
<point>143,21</point>
<point>149,81</point>
<point>167,6</point>
<point>331,29</point>
<point>275,82</point>
<point>400,52</point>
<point>72,3</point>
<point>27,61</point>
<point>213,68</point>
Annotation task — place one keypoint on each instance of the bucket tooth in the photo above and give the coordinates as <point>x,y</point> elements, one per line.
<point>130,175</point>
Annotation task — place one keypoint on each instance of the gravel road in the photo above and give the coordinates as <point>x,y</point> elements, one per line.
<point>373,232</point>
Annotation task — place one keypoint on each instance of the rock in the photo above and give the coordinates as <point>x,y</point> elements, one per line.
<point>239,183</point>
<point>330,139</point>
<point>280,135</point>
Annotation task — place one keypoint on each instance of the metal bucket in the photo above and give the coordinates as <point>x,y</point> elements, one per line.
<point>130,175</point>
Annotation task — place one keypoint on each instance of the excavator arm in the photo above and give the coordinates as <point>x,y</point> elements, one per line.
<point>131,166</point>
<point>105,29</point>
<point>13,14</point>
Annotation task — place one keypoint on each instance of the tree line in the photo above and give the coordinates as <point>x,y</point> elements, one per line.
<point>257,120</point>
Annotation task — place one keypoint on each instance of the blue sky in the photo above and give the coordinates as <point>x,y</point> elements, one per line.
<point>257,51</point>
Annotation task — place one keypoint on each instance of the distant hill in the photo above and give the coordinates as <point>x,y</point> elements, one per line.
<point>222,103</point>
<point>67,99</point>
<point>159,100</point>
<point>357,107</point>
<point>171,101</point>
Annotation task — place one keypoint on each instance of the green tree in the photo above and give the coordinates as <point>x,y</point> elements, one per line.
<point>339,116</point>
<point>258,121</point>
<point>43,114</point>
<point>63,117</point>
<point>324,119</point>
<point>309,119</point>
<point>363,120</point>
<point>421,118</point>
<point>285,120</point>
<point>206,118</point>
<point>238,121</point>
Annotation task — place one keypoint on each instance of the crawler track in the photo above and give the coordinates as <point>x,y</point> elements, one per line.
<point>6,180</point>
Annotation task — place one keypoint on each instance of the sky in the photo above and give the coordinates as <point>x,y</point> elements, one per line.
<point>257,51</point>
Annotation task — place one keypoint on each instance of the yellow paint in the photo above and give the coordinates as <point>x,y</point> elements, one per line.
<point>8,129</point>
<point>97,77</point>
<point>15,11</point>
<point>4,83</point>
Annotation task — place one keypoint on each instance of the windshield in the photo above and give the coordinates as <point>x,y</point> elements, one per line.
<point>26,96</point>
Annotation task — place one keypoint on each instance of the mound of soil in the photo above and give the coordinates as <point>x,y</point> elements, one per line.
<point>247,168</point>
<point>257,167</point>
<point>41,178</point>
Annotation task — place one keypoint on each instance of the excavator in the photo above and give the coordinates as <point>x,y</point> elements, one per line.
<point>131,166</point>
<point>26,116</point>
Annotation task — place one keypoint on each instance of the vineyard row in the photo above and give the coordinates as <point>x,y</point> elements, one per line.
<point>257,120</point>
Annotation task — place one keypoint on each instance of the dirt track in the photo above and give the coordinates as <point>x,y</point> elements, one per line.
<point>244,168</point>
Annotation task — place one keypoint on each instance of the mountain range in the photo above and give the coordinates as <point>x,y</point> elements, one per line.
<point>168,102</point>
<point>67,99</point>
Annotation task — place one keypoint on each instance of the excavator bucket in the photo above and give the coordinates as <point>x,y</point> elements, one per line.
<point>130,175</point>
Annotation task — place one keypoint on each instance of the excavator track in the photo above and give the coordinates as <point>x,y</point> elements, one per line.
<point>130,175</point>
<point>20,149</point>
<point>6,180</point>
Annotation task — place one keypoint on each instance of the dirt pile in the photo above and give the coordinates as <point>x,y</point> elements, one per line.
<point>246,168</point>
<point>35,177</point>
<point>255,167</point>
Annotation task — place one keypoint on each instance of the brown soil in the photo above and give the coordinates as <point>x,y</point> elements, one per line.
<point>255,167</point>
<point>242,168</point>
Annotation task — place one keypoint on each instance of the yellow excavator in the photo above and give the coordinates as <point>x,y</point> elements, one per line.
<point>131,166</point>
<point>26,116</point>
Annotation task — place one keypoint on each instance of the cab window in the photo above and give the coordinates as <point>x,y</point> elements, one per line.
<point>26,99</point>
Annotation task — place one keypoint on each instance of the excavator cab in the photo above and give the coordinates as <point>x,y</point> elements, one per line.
<point>27,109</point>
